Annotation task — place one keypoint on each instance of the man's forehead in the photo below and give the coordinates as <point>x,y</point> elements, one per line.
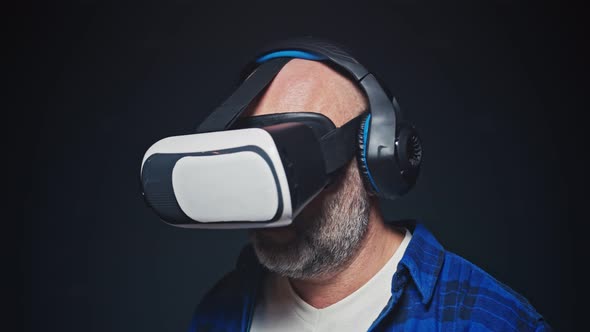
<point>311,86</point>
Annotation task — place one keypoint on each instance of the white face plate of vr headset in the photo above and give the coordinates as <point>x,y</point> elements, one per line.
<point>230,181</point>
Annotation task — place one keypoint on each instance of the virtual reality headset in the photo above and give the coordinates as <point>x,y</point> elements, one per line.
<point>261,171</point>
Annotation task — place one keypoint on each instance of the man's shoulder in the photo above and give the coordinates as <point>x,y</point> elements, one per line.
<point>469,293</point>
<point>225,305</point>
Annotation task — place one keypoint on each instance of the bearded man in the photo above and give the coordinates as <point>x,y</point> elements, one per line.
<point>340,266</point>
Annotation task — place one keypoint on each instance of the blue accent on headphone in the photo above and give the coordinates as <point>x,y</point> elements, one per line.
<point>365,140</point>
<point>290,54</point>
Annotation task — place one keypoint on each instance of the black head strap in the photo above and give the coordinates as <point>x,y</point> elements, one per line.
<point>339,145</point>
<point>227,113</point>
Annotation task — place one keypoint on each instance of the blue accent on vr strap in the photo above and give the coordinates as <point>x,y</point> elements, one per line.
<point>365,140</point>
<point>290,54</point>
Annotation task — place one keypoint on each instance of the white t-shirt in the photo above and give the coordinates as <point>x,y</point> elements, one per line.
<point>281,309</point>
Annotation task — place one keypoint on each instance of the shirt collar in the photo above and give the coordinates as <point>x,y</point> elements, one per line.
<point>423,258</point>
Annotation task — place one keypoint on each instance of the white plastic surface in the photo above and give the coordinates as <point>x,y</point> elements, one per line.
<point>234,186</point>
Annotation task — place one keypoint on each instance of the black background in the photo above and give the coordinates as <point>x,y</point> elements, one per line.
<point>494,89</point>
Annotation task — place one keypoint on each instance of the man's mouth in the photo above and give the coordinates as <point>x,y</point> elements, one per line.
<point>279,235</point>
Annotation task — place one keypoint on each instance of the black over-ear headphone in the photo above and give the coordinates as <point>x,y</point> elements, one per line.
<point>390,150</point>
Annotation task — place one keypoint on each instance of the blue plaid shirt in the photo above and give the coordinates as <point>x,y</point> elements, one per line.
<point>432,290</point>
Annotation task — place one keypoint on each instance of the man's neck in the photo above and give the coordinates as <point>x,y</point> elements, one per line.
<point>376,249</point>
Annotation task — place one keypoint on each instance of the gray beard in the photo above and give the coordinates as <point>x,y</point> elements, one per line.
<point>328,233</point>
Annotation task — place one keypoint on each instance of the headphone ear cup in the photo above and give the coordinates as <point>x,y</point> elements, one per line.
<point>361,156</point>
<point>409,153</point>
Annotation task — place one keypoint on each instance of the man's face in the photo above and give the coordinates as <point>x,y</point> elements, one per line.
<point>328,232</point>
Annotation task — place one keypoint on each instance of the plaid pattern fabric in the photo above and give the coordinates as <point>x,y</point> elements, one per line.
<point>432,290</point>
